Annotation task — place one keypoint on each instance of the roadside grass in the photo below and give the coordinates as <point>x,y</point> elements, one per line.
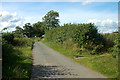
<point>104,64</point>
<point>16,56</point>
<point>17,62</point>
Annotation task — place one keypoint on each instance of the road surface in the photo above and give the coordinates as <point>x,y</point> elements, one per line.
<point>48,63</point>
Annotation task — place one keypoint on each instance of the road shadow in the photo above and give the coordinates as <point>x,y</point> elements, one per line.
<point>41,71</point>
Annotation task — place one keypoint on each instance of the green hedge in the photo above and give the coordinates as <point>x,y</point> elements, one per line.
<point>23,42</point>
<point>85,35</point>
<point>16,56</point>
<point>8,37</point>
<point>16,39</point>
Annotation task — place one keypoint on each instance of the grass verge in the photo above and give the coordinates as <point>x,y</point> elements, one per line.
<point>17,62</point>
<point>104,64</point>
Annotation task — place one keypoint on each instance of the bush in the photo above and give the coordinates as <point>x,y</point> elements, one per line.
<point>82,34</point>
<point>16,40</point>
<point>8,37</point>
<point>85,34</point>
<point>18,35</point>
<point>7,49</point>
<point>109,40</point>
<point>116,48</point>
<point>60,34</point>
<point>23,42</point>
<point>14,58</point>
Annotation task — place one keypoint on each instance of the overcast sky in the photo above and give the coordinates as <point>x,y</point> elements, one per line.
<point>103,14</point>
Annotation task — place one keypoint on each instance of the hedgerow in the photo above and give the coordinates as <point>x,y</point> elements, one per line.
<point>85,35</point>
<point>116,48</point>
<point>16,52</point>
<point>8,37</point>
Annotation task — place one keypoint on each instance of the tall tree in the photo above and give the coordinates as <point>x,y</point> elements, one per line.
<point>50,20</point>
<point>18,30</point>
<point>38,29</point>
<point>28,29</point>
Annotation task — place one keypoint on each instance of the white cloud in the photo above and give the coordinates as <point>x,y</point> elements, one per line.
<point>105,26</point>
<point>87,2</point>
<point>10,20</point>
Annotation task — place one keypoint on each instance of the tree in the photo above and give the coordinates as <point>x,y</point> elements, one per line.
<point>50,20</point>
<point>28,29</point>
<point>19,30</point>
<point>38,29</point>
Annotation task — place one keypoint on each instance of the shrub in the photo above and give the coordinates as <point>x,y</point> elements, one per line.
<point>8,37</point>
<point>109,40</point>
<point>86,34</point>
<point>82,34</point>
<point>116,48</point>
<point>23,42</point>
<point>18,35</point>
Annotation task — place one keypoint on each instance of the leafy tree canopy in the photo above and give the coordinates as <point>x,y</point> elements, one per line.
<point>38,29</point>
<point>50,20</point>
<point>18,29</point>
<point>28,29</point>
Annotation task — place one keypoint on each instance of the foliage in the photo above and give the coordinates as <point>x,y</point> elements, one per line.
<point>9,37</point>
<point>16,39</point>
<point>35,30</point>
<point>16,35</point>
<point>4,29</point>
<point>16,55</point>
<point>18,30</point>
<point>17,62</point>
<point>82,34</point>
<point>28,29</point>
<point>110,36</point>
<point>117,43</point>
<point>109,40</point>
<point>38,29</point>
<point>50,20</point>
<point>116,48</point>
<point>86,34</point>
<point>23,42</point>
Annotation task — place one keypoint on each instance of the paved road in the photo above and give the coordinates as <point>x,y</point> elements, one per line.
<point>48,63</point>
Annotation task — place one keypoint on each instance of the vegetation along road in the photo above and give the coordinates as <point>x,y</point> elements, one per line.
<point>48,63</point>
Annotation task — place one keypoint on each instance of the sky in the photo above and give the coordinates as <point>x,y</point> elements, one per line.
<point>103,14</point>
